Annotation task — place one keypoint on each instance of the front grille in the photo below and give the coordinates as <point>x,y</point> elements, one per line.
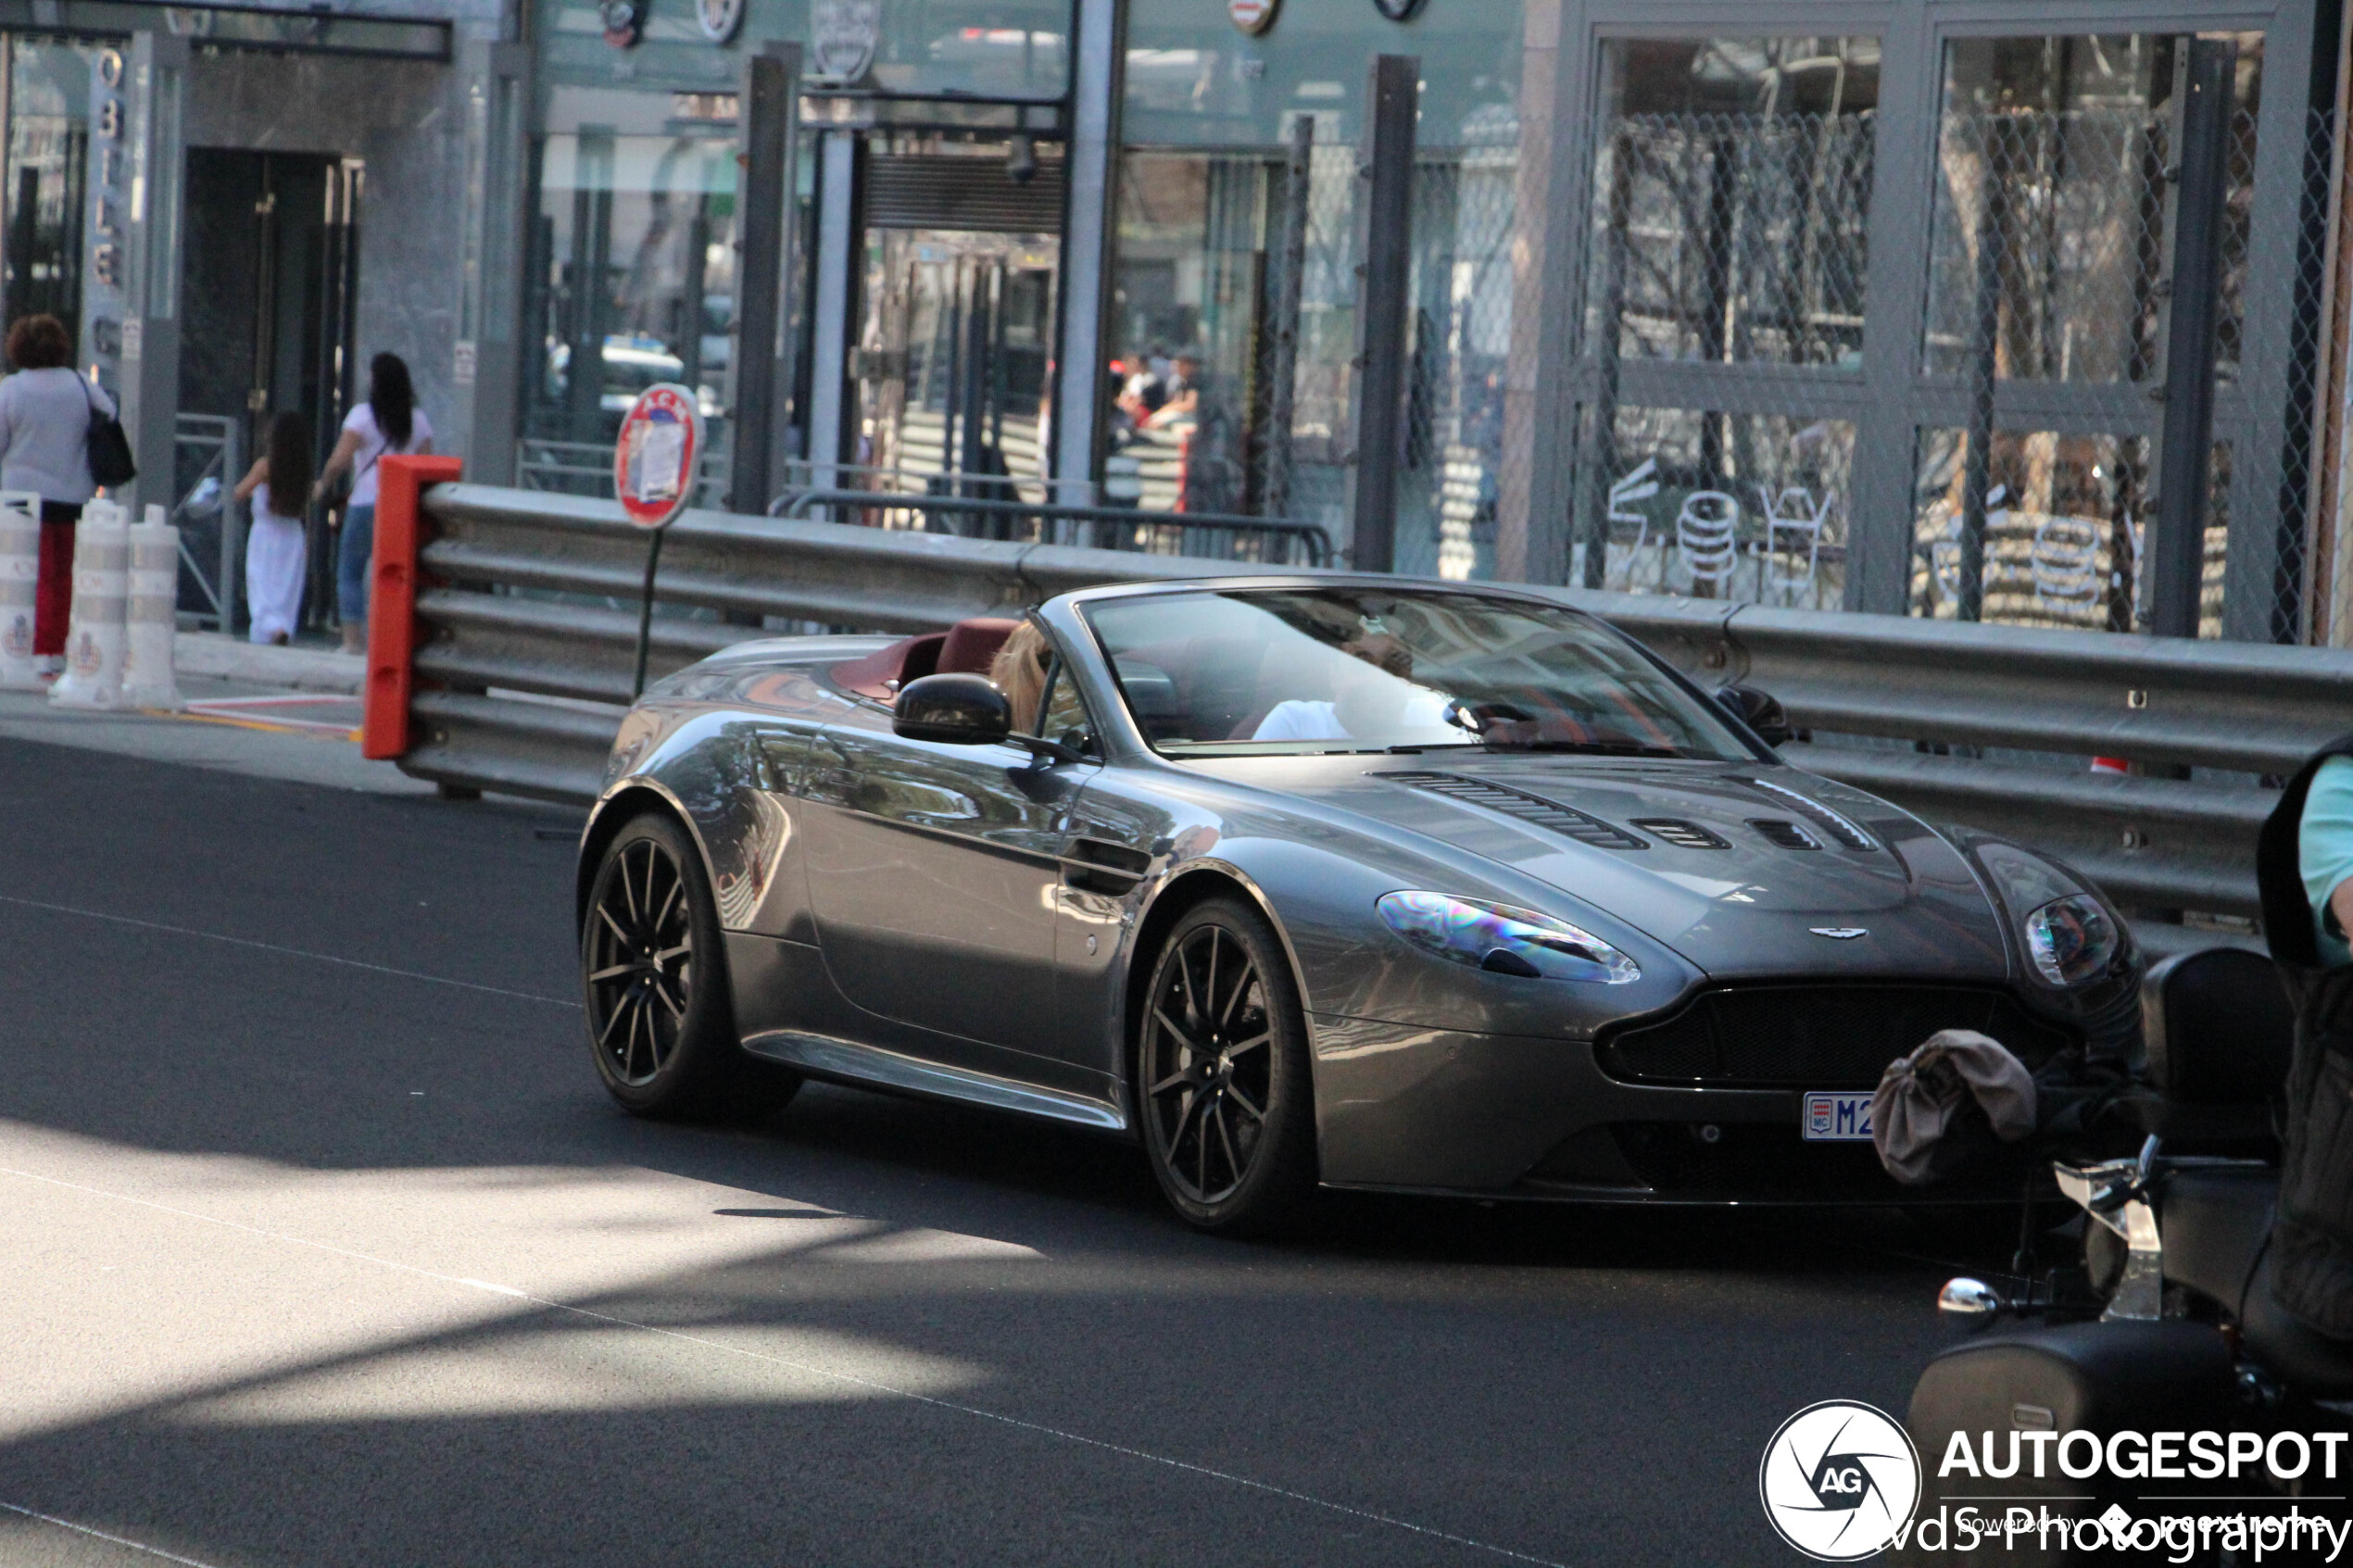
<point>1566,821</point>
<point>1682,835</point>
<point>1813,1037</point>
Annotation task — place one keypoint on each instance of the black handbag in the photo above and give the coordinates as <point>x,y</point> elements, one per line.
<point>110,460</point>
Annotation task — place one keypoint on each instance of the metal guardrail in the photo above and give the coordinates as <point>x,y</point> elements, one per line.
<point>527,623</point>
<point>1311,537</point>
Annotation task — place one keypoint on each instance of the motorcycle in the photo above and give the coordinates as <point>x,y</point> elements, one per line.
<point>2108,1403</point>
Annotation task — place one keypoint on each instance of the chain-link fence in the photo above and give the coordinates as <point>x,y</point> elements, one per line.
<point>1727,260</point>
<point>1726,399</point>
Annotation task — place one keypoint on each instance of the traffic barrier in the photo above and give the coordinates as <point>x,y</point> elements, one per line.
<point>392,600</point>
<point>19,588</point>
<point>150,617</point>
<point>95,633</point>
<point>524,633</point>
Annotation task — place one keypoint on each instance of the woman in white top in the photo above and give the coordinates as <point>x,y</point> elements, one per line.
<point>277,550</point>
<point>389,422</point>
<point>44,447</point>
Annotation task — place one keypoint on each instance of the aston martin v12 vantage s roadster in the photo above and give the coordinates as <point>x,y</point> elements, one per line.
<point>1335,881</point>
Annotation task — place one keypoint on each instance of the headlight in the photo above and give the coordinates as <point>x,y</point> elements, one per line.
<point>1502,940</point>
<point>2070,937</point>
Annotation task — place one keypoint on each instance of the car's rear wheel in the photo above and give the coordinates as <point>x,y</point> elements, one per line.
<point>661,1022</point>
<point>1222,1081</point>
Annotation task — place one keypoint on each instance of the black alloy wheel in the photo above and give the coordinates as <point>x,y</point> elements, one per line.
<point>1227,1109</point>
<point>660,1019</point>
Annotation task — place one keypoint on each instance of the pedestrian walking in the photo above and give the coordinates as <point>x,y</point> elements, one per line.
<point>389,422</point>
<point>277,547</point>
<point>44,447</point>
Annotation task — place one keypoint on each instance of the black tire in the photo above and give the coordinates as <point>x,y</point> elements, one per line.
<point>1222,1081</point>
<point>662,1022</point>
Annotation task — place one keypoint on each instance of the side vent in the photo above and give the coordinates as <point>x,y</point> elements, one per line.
<point>1093,866</point>
<point>1680,833</point>
<point>1566,821</point>
<point>1784,832</point>
<point>1838,827</point>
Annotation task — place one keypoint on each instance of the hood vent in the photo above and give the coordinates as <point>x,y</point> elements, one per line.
<point>1784,834</point>
<point>1845,832</point>
<point>1680,833</point>
<point>1566,821</point>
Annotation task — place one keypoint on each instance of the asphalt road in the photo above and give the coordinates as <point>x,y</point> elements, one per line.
<point>320,1246</point>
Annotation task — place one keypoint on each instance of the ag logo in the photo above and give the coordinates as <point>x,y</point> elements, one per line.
<point>1839,1479</point>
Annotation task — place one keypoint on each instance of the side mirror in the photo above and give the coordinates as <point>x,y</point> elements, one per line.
<point>953,710</point>
<point>1760,711</point>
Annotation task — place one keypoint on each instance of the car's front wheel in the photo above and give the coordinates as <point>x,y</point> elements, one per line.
<point>661,1022</point>
<point>1223,1086</point>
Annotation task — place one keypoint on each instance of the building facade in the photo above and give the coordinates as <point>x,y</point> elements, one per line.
<point>1867,304</point>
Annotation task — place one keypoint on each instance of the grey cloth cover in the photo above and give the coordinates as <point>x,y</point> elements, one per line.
<point>1921,1094</point>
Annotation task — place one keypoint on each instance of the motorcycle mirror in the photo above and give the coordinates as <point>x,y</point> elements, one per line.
<point>1970,1302</point>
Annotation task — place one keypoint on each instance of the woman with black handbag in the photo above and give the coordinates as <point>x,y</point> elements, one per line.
<point>47,414</point>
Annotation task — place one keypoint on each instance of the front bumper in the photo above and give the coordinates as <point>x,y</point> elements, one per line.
<point>1407,1109</point>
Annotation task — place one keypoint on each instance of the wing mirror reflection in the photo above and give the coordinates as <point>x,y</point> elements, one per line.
<point>953,710</point>
<point>1760,711</point>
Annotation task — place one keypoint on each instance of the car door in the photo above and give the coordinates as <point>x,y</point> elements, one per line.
<point>933,870</point>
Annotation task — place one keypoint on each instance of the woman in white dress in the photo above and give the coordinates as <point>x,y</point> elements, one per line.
<point>277,551</point>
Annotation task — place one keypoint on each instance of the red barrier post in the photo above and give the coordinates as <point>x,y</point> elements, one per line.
<point>392,606</point>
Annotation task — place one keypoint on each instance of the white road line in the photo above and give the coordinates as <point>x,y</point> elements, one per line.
<point>289,952</point>
<point>101,1535</point>
<point>975,1411</point>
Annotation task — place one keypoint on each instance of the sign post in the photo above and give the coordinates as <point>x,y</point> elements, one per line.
<point>655,459</point>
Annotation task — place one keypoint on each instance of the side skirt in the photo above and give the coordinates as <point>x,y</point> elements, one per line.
<point>870,1067</point>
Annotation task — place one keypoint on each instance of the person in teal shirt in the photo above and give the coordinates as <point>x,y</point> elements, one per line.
<point>2325,858</point>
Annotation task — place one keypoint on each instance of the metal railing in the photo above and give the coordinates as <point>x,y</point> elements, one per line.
<point>208,460</point>
<point>1096,525</point>
<point>527,629</point>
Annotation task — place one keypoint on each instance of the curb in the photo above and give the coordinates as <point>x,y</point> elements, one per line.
<point>297,669</point>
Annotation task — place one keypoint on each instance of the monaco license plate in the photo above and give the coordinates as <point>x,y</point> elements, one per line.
<point>1836,1118</point>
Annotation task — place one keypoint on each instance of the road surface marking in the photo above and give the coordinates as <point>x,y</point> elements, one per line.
<point>101,1535</point>
<point>977,1412</point>
<point>289,952</point>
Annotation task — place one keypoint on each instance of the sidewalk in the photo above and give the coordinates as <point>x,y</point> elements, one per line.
<point>289,713</point>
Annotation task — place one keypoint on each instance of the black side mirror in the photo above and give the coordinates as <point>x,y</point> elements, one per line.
<point>1760,711</point>
<point>953,710</point>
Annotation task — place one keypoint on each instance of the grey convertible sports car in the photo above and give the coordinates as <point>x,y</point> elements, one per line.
<point>1349,881</point>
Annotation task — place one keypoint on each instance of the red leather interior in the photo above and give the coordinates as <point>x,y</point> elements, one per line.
<point>973,645</point>
<point>907,660</point>
<point>966,647</point>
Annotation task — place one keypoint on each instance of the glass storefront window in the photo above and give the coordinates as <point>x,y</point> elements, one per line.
<point>1732,184</point>
<point>1198,330</point>
<point>2050,205</point>
<point>632,278</point>
<point>2048,245</point>
<point>49,140</point>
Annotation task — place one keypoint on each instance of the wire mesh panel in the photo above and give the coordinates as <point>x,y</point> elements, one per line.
<point>1726,268</point>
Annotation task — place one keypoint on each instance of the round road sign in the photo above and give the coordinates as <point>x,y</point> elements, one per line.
<point>656,457</point>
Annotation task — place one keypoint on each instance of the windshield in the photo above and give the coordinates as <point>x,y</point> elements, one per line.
<point>1291,671</point>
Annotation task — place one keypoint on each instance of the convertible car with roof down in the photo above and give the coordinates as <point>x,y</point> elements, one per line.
<point>1334,881</point>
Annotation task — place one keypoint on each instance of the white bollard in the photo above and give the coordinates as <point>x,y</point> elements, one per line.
<point>94,640</point>
<point>19,588</point>
<point>152,620</point>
